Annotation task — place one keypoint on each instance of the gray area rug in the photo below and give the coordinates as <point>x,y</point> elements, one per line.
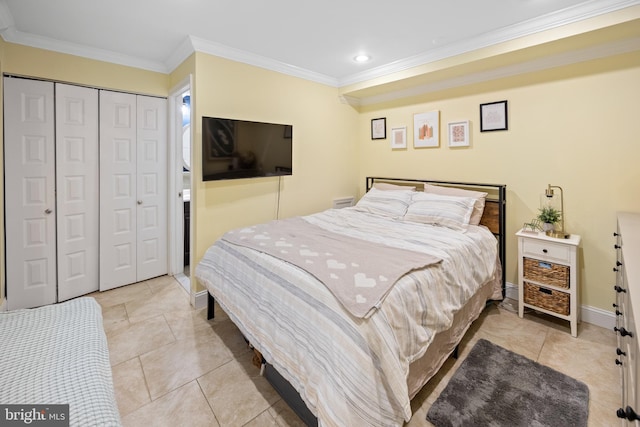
<point>496,387</point>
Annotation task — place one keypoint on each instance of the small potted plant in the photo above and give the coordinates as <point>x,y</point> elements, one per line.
<point>549,216</point>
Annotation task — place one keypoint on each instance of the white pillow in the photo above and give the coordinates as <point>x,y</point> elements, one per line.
<point>479,196</point>
<point>391,203</point>
<point>392,187</point>
<point>448,211</point>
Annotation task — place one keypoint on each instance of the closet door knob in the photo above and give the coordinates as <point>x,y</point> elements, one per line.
<point>139,202</point>
<point>48,211</point>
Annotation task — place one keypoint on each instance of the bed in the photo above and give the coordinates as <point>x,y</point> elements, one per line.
<point>359,358</point>
<point>57,355</point>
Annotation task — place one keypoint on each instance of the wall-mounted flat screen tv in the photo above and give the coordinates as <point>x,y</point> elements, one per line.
<point>235,149</point>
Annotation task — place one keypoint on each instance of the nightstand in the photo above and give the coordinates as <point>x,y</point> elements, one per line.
<point>548,276</point>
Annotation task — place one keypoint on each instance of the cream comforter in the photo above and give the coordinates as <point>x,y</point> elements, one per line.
<point>350,371</point>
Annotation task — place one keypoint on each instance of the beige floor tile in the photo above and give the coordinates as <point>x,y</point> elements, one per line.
<point>507,330</point>
<point>160,283</point>
<point>167,300</point>
<point>122,295</point>
<point>265,419</point>
<point>185,406</point>
<point>130,386</point>
<point>236,392</point>
<point>114,317</point>
<point>602,415</point>
<point>134,339</point>
<point>173,365</point>
<point>284,415</point>
<point>589,362</point>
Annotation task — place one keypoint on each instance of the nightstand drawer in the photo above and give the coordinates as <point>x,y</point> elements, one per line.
<point>546,272</point>
<point>544,250</point>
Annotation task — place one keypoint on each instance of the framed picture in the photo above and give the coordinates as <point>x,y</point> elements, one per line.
<point>379,128</point>
<point>426,129</point>
<point>459,134</point>
<point>399,137</point>
<point>493,116</point>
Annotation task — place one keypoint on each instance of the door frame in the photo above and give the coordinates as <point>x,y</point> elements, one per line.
<point>176,206</point>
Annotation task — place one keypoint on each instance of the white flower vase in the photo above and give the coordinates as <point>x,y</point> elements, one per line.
<point>548,226</point>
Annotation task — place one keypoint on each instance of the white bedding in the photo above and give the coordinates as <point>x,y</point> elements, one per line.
<point>350,371</point>
<point>57,354</point>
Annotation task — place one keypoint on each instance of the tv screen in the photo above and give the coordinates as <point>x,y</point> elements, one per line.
<point>234,149</point>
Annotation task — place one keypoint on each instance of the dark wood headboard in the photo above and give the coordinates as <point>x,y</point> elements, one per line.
<point>493,217</point>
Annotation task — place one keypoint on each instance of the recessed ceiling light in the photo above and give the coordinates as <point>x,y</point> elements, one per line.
<point>362,58</point>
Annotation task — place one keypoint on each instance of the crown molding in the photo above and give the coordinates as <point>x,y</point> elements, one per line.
<point>180,54</point>
<point>217,49</point>
<point>544,23</point>
<point>548,62</point>
<point>12,35</point>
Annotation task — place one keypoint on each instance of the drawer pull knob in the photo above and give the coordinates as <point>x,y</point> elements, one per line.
<point>618,313</point>
<point>631,414</point>
<point>615,270</point>
<point>623,332</point>
<point>618,362</point>
<point>615,305</point>
<point>616,246</point>
<point>618,263</point>
<point>620,352</point>
<point>619,289</point>
<point>545,251</point>
<point>615,234</point>
<point>620,413</point>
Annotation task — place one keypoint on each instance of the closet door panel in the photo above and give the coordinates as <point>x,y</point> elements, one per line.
<point>118,157</point>
<point>29,168</point>
<point>77,198</point>
<point>152,187</point>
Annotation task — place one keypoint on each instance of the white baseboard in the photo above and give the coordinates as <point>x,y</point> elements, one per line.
<point>595,316</point>
<point>199,299</point>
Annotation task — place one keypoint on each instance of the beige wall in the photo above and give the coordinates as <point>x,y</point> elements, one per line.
<point>572,127</point>
<point>32,62</point>
<point>324,147</point>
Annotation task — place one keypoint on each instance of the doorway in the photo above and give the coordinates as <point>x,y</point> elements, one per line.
<point>180,207</point>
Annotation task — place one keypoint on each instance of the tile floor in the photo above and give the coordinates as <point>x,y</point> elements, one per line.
<point>173,367</point>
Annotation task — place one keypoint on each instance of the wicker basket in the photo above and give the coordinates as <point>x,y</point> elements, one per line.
<point>546,273</point>
<point>549,299</point>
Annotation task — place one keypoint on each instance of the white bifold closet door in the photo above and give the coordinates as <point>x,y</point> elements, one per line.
<point>133,188</point>
<point>50,146</point>
<point>77,197</point>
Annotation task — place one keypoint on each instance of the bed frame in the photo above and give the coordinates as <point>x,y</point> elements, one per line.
<point>493,217</point>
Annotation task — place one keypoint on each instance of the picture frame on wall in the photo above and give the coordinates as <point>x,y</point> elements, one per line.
<point>493,116</point>
<point>426,129</point>
<point>379,128</point>
<point>459,133</point>
<point>399,137</point>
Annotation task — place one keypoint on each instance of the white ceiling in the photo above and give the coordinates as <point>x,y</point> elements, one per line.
<point>314,40</point>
